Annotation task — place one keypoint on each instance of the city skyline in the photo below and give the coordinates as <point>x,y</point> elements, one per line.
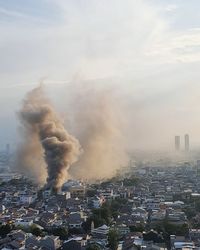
<point>186,141</point>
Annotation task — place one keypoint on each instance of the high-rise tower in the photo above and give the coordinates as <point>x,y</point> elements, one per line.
<point>187,143</point>
<point>177,142</point>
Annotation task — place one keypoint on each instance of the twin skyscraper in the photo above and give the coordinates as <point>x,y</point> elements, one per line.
<point>178,142</point>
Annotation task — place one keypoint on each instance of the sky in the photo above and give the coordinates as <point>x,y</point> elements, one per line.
<point>147,49</point>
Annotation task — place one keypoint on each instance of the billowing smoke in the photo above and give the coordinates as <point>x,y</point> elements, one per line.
<point>48,150</point>
<point>98,124</point>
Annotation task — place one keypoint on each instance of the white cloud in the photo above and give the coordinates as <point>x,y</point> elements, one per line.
<point>98,38</point>
<point>130,39</point>
<point>171,7</point>
<point>178,47</point>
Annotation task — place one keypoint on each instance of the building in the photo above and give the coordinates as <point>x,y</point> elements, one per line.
<point>5,177</point>
<point>77,191</point>
<point>25,198</point>
<point>177,142</point>
<point>50,242</point>
<point>100,232</point>
<point>108,194</point>
<point>75,220</point>
<point>46,193</point>
<point>24,222</point>
<point>187,143</point>
<point>194,234</point>
<point>47,242</point>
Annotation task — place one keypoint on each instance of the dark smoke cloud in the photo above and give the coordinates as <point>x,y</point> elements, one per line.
<point>46,139</point>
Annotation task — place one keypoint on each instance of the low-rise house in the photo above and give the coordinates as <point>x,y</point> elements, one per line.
<point>140,213</point>
<point>24,222</point>
<point>72,245</point>
<point>47,242</point>
<point>180,242</point>
<point>75,243</point>
<point>52,207</point>
<point>176,217</point>
<point>100,232</point>
<point>152,204</point>
<point>47,193</point>
<point>157,216</point>
<point>108,194</point>
<point>50,242</point>
<point>32,241</point>
<point>122,229</point>
<point>46,219</point>
<point>75,220</point>
<point>194,234</point>
<point>26,199</point>
<point>153,246</point>
<point>132,241</point>
<point>77,191</point>
<point>14,240</point>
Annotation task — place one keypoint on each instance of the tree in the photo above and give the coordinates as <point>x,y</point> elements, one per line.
<point>113,239</point>
<point>138,228</point>
<point>36,230</point>
<point>176,229</point>
<point>75,230</point>
<point>115,205</point>
<point>197,205</point>
<point>132,181</point>
<point>87,225</point>
<point>3,183</point>
<point>61,232</point>
<point>5,229</point>
<point>190,212</point>
<point>153,236</point>
<point>101,216</point>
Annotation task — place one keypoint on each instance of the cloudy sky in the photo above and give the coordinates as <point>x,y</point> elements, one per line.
<point>148,48</point>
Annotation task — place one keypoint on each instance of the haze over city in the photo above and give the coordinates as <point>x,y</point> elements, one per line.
<point>145,54</point>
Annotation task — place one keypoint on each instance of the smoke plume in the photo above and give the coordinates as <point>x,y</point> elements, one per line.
<point>47,140</point>
<point>98,126</point>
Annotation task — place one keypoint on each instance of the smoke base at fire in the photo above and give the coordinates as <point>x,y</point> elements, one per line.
<point>45,138</point>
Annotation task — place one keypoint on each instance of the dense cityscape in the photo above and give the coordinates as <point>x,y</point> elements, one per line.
<point>99,125</point>
<point>147,205</point>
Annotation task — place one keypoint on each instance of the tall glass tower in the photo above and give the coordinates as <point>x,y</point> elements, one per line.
<point>187,143</point>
